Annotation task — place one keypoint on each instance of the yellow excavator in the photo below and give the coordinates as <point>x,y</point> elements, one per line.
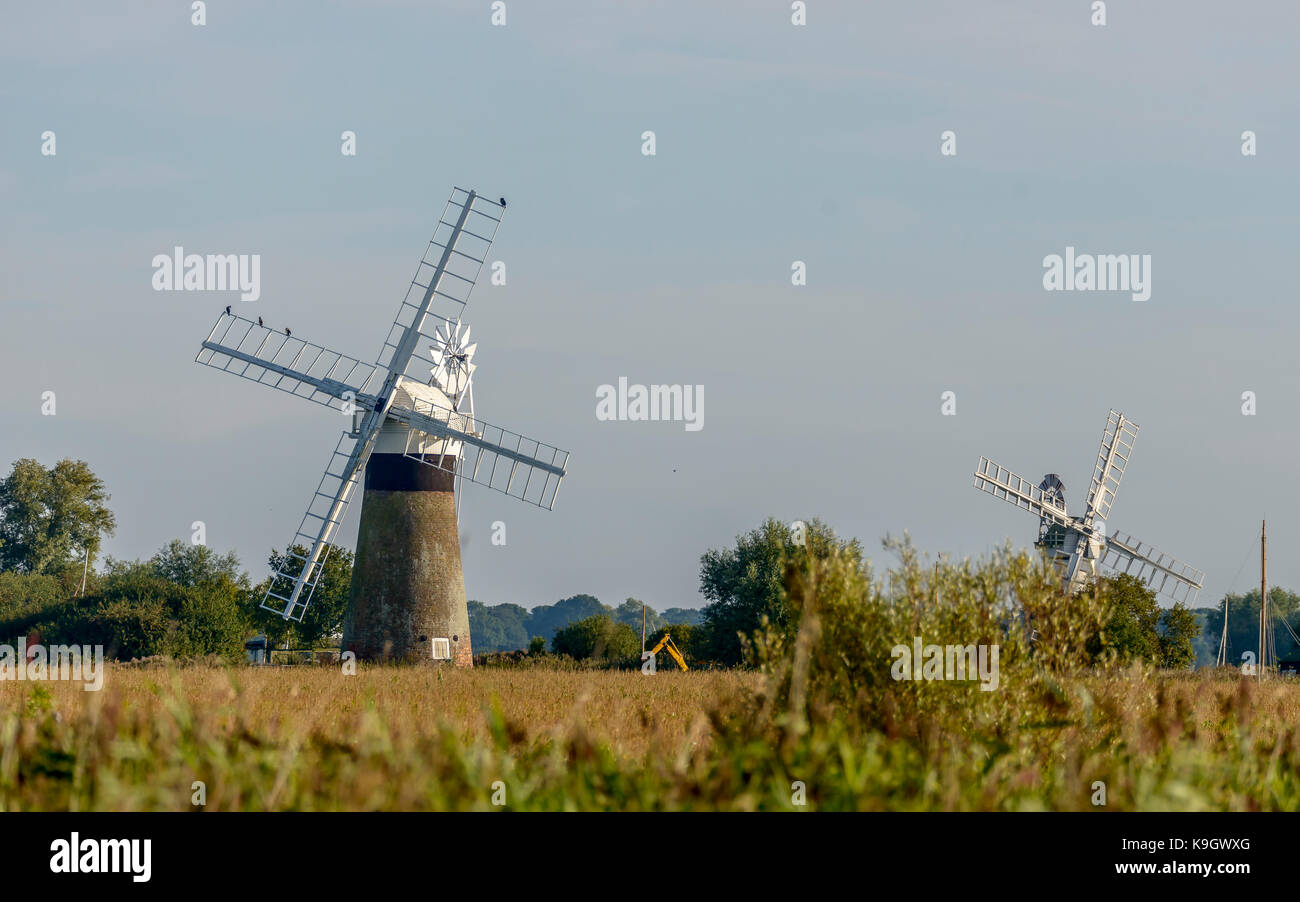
<point>667,642</point>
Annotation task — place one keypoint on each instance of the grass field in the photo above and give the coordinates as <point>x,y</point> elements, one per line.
<point>309,738</point>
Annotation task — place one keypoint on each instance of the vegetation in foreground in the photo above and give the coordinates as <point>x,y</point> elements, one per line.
<point>820,719</point>
<point>815,711</point>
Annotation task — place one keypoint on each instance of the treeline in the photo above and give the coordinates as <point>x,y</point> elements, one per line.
<point>1243,626</point>
<point>509,627</point>
<point>185,601</point>
<point>188,600</point>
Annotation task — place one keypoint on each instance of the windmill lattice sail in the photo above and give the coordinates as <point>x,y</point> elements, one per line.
<point>1116,447</point>
<point>269,357</point>
<point>439,290</point>
<point>1162,572</point>
<point>520,467</point>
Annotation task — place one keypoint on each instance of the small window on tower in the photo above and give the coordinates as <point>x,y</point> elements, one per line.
<point>442,649</point>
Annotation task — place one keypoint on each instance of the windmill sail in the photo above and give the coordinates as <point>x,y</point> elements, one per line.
<point>1116,448</point>
<point>1162,572</point>
<point>520,467</point>
<point>439,291</point>
<point>1002,483</point>
<point>242,347</point>
<point>291,589</point>
<point>324,514</point>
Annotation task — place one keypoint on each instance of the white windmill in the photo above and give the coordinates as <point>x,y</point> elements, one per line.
<point>416,437</point>
<point>1079,545</point>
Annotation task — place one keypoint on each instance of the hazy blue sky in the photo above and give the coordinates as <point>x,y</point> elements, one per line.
<point>775,143</point>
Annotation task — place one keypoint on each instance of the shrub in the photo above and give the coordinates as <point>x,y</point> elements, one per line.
<point>598,638</point>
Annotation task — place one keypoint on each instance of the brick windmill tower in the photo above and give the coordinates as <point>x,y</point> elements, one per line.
<point>414,436</point>
<point>408,544</point>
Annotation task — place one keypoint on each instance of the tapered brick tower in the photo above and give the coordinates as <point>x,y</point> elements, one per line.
<point>407,601</point>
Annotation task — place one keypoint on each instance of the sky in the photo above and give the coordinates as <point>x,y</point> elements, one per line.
<point>774,143</point>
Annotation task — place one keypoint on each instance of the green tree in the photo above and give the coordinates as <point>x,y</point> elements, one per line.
<point>140,612</point>
<point>1130,632</point>
<point>27,602</point>
<point>135,627</point>
<point>745,584</point>
<point>1178,631</point>
<point>629,612</point>
<point>51,518</point>
<point>547,618</point>
<point>498,627</point>
<point>323,619</point>
<point>598,638</point>
<point>1243,623</point>
<point>192,565</point>
<point>690,616</point>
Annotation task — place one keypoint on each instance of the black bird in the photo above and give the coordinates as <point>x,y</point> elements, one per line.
<point>503,203</point>
<point>287,332</point>
<point>227,310</point>
<point>259,321</point>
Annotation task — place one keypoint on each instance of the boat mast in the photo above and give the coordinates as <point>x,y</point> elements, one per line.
<point>1263,597</point>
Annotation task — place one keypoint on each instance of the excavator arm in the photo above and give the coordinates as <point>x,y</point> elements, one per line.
<point>667,642</point>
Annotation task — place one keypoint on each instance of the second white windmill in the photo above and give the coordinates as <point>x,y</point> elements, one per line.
<point>1081,545</point>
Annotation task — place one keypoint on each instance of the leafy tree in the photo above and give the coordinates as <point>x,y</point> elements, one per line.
<point>536,646</point>
<point>546,619</point>
<point>1178,631</point>
<point>498,627</point>
<point>135,627</point>
<point>192,565</point>
<point>139,612</point>
<point>213,620</point>
<point>27,600</point>
<point>629,612</point>
<point>323,619</point>
<point>1243,623</point>
<point>597,638</point>
<point>1130,632</point>
<point>745,584</point>
<point>689,616</point>
<point>51,518</point>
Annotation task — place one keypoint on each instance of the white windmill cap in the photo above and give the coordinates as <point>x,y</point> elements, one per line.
<point>393,437</point>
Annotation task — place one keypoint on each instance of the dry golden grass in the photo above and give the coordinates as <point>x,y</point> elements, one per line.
<point>306,738</point>
<point>311,738</point>
<point>629,711</point>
